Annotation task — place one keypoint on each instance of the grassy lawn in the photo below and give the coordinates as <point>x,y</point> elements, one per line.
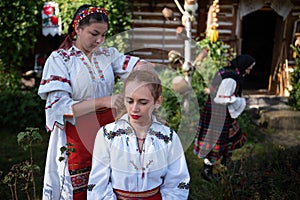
<point>259,170</point>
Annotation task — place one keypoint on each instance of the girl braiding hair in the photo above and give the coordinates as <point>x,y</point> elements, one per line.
<point>81,19</point>
<point>77,83</point>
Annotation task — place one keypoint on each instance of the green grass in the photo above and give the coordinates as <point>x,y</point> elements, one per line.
<point>259,170</point>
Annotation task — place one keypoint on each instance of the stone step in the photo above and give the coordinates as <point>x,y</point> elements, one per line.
<point>273,111</point>
<point>265,100</point>
<point>281,119</point>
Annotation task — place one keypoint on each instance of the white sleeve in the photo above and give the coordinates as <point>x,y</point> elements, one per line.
<point>123,64</point>
<point>58,109</point>
<point>55,88</point>
<point>226,96</point>
<point>176,181</point>
<point>99,186</point>
<point>236,108</point>
<point>226,91</point>
<point>55,75</point>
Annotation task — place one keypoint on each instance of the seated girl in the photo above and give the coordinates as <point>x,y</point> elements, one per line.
<point>138,157</point>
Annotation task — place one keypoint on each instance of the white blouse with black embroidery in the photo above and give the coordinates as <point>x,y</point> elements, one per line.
<point>118,163</point>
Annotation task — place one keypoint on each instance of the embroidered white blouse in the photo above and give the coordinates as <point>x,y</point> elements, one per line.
<point>118,164</point>
<point>68,78</point>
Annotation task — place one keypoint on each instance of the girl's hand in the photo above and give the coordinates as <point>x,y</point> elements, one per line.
<point>117,101</point>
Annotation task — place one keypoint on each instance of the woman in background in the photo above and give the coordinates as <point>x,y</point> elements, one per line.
<point>218,132</point>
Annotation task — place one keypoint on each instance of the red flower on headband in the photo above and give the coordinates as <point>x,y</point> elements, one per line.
<point>87,12</point>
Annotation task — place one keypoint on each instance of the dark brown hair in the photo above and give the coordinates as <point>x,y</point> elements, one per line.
<point>92,18</point>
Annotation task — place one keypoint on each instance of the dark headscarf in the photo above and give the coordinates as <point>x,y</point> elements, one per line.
<point>242,62</point>
<point>235,70</point>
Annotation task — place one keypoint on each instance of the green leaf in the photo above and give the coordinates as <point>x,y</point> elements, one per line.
<point>61,159</point>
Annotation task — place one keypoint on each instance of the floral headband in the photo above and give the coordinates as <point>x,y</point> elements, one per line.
<point>86,12</point>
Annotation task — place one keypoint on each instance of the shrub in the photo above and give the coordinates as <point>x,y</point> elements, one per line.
<point>294,98</point>
<point>9,78</point>
<point>20,23</point>
<point>219,54</point>
<point>21,109</point>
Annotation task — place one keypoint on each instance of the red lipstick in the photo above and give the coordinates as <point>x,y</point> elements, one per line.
<point>135,116</point>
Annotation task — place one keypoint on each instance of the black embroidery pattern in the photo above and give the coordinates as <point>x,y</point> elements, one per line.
<point>111,134</point>
<point>183,185</point>
<point>90,187</point>
<point>161,136</point>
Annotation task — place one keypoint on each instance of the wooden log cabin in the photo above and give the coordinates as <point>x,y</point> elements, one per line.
<point>264,29</point>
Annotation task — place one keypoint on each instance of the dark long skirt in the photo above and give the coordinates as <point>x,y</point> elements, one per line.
<point>211,140</point>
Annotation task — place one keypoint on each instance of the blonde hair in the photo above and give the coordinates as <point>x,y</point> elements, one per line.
<point>151,80</point>
<point>148,78</point>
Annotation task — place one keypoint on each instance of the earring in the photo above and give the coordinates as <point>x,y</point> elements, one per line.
<point>74,35</point>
